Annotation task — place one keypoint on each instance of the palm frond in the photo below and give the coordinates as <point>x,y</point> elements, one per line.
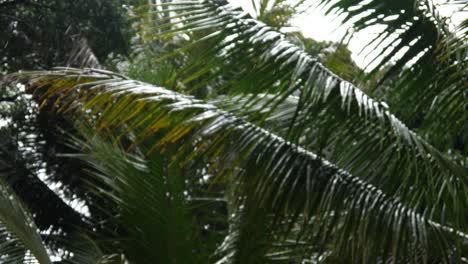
<point>281,177</point>
<point>81,55</point>
<point>425,53</point>
<point>441,108</point>
<point>412,27</point>
<point>244,56</point>
<point>147,206</point>
<point>21,166</point>
<point>18,234</point>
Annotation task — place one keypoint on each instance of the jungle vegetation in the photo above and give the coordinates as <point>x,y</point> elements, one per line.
<point>192,131</point>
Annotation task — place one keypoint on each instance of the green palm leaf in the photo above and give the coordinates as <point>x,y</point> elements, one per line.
<point>18,234</point>
<point>146,208</point>
<point>288,181</point>
<point>442,106</point>
<point>331,115</point>
<point>428,59</point>
<point>413,27</point>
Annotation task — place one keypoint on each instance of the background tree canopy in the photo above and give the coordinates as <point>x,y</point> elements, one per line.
<point>190,131</point>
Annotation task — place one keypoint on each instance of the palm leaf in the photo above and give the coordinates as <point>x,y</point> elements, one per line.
<point>81,54</point>
<point>147,212</point>
<point>281,177</point>
<point>331,115</point>
<point>18,233</point>
<point>412,27</point>
<point>418,47</point>
<point>442,106</point>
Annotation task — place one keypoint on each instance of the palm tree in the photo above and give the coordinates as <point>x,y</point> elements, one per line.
<point>253,151</point>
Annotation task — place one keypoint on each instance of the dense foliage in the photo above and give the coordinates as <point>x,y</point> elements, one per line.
<point>194,132</point>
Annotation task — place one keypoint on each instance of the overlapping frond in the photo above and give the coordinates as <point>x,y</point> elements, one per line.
<point>425,53</point>
<point>410,29</point>
<point>81,54</point>
<point>147,213</point>
<point>243,56</point>
<point>18,233</point>
<point>285,179</point>
<point>275,116</point>
<point>439,88</point>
